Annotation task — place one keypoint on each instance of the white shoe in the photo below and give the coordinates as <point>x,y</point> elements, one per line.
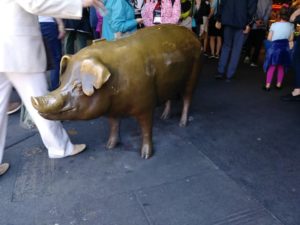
<point>77,149</point>
<point>13,107</point>
<point>253,65</point>
<point>3,168</point>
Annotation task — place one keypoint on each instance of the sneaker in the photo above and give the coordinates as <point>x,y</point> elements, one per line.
<point>13,107</point>
<point>247,60</point>
<point>253,65</point>
<point>3,168</point>
<point>77,149</point>
<point>219,76</point>
<point>229,80</point>
<point>217,56</point>
<point>211,56</point>
<point>205,53</point>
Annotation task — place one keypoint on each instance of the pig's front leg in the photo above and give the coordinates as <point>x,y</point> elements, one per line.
<point>114,133</point>
<point>145,122</point>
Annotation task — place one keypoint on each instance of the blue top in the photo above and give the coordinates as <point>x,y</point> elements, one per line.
<point>119,18</point>
<point>281,30</point>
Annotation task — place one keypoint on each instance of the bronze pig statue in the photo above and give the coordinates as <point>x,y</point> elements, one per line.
<point>126,77</point>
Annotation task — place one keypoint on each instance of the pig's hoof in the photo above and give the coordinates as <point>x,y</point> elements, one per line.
<point>165,116</point>
<point>182,123</point>
<point>146,152</point>
<point>111,143</point>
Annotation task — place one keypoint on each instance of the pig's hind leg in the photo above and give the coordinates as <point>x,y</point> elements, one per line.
<point>114,133</point>
<point>188,93</point>
<point>145,121</point>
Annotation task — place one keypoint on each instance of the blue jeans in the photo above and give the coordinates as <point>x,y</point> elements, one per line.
<point>50,33</point>
<point>296,59</point>
<point>231,50</point>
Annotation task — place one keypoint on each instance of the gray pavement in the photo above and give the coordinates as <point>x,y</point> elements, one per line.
<point>237,163</point>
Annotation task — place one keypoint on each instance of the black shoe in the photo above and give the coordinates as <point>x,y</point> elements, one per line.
<point>290,98</point>
<point>278,88</point>
<point>266,88</point>
<point>219,76</point>
<point>229,79</point>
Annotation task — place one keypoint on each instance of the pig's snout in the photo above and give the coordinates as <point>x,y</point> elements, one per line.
<point>47,104</point>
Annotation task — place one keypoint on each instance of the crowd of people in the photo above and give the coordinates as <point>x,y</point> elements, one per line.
<point>224,28</point>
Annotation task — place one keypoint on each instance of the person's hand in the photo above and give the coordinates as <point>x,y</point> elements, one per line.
<point>96,3</point>
<point>218,25</point>
<point>139,21</point>
<point>61,32</point>
<point>259,22</point>
<point>247,29</point>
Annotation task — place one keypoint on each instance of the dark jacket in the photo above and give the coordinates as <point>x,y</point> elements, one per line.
<point>237,13</point>
<point>82,25</point>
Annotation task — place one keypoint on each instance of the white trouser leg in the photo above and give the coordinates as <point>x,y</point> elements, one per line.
<point>54,136</point>
<point>5,90</point>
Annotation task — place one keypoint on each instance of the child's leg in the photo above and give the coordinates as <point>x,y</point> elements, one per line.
<point>270,73</point>
<point>280,75</point>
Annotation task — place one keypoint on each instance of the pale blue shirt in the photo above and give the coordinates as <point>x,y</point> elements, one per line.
<point>281,30</point>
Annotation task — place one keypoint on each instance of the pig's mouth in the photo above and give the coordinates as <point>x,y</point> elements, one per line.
<point>59,115</point>
<point>59,112</point>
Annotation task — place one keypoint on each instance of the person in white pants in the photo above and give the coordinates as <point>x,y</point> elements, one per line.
<point>23,65</point>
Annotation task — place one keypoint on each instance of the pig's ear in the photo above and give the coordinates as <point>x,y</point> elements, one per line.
<point>64,63</point>
<point>93,74</point>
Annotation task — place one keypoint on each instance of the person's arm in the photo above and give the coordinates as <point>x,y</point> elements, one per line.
<point>219,12</point>
<point>291,40</point>
<point>71,9</point>
<point>271,31</point>
<point>61,28</point>
<point>267,13</point>
<point>212,9</point>
<point>270,35</point>
<point>218,24</point>
<point>252,6</point>
<point>294,15</point>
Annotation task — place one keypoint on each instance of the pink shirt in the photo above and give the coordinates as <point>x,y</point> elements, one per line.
<point>169,13</point>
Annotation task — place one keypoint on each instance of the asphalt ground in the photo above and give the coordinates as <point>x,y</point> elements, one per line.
<point>237,163</point>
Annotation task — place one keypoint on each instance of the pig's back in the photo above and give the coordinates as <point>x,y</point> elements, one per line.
<point>159,58</point>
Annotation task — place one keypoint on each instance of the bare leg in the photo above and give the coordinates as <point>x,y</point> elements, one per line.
<point>114,133</point>
<point>145,122</point>
<point>219,45</point>
<point>166,113</point>
<point>212,40</point>
<point>205,41</point>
